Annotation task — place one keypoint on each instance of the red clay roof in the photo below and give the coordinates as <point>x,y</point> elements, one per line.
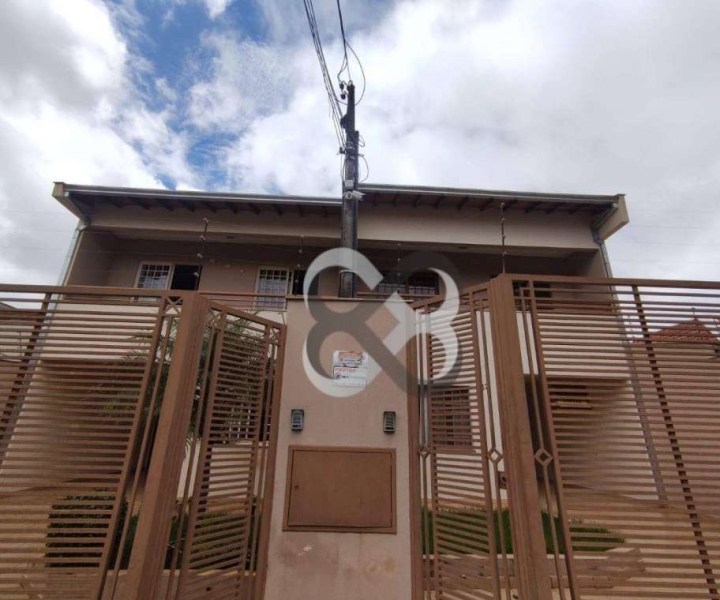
<point>688,331</point>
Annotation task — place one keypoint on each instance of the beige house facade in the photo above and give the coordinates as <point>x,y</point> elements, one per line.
<point>251,252</point>
<point>257,244</point>
<point>168,375</point>
<point>180,421</point>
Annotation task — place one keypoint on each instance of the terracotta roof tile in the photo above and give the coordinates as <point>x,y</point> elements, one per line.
<point>688,331</point>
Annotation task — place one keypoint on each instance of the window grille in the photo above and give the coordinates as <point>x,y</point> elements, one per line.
<point>272,281</point>
<point>417,284</point>
<point>154,276</point>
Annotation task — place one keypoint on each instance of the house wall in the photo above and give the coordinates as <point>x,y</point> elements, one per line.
<point>103,259</point>
<point>109,261</point>
<point>402,224</point>
<point>351,566</point>
<point>93,260</point>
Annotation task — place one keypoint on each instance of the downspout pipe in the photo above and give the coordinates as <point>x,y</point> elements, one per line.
<point>650,447</point>
<point>71,254</point>
<point>603,253</point>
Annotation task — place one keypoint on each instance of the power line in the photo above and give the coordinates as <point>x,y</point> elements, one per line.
<point>332,98</point>
<point>345,64</point>
<point>362,72</point>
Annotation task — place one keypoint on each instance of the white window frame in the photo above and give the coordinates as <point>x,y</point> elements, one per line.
<point>145,263</point>
<point>269,302</point>
<point>171,272</point>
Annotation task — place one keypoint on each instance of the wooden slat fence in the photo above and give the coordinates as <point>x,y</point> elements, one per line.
<point>605,404</point>
<point>136,444</point>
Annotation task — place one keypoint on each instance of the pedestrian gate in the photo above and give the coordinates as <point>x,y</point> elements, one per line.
<point>573,451</point>
<point>138,438</point>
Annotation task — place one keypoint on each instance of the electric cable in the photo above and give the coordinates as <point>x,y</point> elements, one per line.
<point>335,112</point>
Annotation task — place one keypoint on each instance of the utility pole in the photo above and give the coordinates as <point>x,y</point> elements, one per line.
<point>350,195</point>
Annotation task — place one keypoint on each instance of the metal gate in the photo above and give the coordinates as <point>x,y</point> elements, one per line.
<point>137,444</point>
<point>573,451</point>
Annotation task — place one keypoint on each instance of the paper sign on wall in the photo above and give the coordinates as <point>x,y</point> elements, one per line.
<point>350,368</point>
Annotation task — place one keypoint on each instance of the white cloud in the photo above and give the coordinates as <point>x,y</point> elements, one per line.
<point>67,112</point>
<point>216,7</point>
<point>599,96</point>
<point>246,80</point>
<point>592,97</point>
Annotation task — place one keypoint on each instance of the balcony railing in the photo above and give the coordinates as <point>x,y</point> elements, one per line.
<point>253,302</point>
<point>249,301</point>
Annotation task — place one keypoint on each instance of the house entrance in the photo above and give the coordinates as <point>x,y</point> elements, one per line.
<point>571,453</point>
<point>138,438</point>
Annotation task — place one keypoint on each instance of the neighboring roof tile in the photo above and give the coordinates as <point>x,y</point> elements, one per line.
<point>687,331</point>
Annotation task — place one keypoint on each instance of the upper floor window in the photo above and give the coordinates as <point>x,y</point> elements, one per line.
<point>154,277</point>
<point>273,281</point>
<point>163,276</point>
<point>417,284</point>
<point>280,280</point>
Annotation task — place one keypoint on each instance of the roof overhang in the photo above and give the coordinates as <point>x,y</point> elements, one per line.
<point>608,212</point>
<point>81,199</point>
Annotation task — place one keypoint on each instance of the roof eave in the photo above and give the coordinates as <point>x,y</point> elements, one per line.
<point>69,190</point>
<point>613,219</point>
<point>61,194</point>
<point>497,194</point>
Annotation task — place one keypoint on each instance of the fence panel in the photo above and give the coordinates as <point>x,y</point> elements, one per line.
<point>466,536</point>
<point>624,382</point>
<point>622,399</point>
<point>220,541</point>
<point>77,373</point>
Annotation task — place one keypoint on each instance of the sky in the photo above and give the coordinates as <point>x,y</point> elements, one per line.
<point>585,96</point>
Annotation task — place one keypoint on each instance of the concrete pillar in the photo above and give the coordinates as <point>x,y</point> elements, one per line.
<point>325,564</point>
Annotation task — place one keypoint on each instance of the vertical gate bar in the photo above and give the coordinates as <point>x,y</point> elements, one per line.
<point>525,514</point>
<point>484,312</point>
<point>260,485</point>
<point>260,480</point>
<point>432,509</point>
<point>148,556</point>
<point>485,459</point>
<point>414,458</point>
<point>424,451</point>
<point>134,454</point>
<point>207,418</point>
<point>242,582</point>
<point>549,424</point>
<point>193,465</point>
<point>675,446</point>
<point>268,493</point>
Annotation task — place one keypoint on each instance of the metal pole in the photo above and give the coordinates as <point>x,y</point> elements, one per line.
<point>348,235</point>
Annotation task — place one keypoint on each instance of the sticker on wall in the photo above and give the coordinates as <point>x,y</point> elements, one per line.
<point>350,368</point>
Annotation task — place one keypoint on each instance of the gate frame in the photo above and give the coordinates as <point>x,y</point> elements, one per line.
<point>523,495</point>
<point>533,572</point>
<point>531,565</point>
<point>148,553</point>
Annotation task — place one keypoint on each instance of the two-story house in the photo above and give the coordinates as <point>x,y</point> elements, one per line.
<point>122,398</point>
<point>169,398</point>
<point>252,250</point>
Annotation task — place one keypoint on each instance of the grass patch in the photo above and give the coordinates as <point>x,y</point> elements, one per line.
<point>470,528</point>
